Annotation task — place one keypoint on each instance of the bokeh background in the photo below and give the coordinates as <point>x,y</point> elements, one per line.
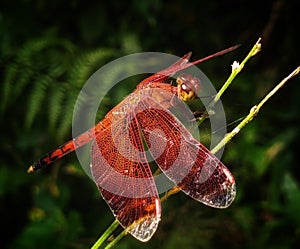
<point>48,49</point>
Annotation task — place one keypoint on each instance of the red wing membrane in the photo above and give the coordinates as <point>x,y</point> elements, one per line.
<point>184,160</point>
<point>124,178</point>
<point>166,73</point>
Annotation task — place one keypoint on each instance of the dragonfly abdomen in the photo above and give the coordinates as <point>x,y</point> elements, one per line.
<point>68,147</point>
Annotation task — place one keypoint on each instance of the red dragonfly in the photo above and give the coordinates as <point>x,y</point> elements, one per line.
<point>119,164</point>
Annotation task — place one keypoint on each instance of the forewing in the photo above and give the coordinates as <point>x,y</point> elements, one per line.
<point>189,164</point>
<point>161,76</point>
<point>124,178</point>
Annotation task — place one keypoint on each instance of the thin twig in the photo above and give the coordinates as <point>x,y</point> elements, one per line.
<point>105,235</point>
<point>236,68</point>
<point>253,112</point>
<point>117,239</point>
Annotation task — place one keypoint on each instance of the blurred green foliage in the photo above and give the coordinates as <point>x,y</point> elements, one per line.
<point>48,49</point>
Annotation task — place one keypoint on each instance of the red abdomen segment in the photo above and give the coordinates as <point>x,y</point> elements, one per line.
<point>69,146</point>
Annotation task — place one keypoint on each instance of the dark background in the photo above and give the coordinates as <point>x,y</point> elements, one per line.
<point>48,50</point>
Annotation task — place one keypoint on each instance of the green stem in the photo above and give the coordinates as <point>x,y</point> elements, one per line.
<point>105,235</point>
<point>253,112</point>
<point>116,240</point>
<point>236,68</point>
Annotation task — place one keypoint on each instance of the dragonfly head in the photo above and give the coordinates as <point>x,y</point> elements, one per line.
<point>188,87</point>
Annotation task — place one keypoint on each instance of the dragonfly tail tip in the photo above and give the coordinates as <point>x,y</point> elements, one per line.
<point>30,169</point>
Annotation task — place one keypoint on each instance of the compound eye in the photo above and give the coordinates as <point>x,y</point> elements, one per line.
<point>188,86</point>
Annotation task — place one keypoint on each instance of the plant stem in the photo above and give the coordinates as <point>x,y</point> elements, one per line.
<point>106,234</point>
<point>236,68</point>
<point>253,112</point>
<point>116,240</point>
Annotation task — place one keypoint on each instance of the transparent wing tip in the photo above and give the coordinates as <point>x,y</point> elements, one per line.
<point>144,228</point>
<point>222,199</point>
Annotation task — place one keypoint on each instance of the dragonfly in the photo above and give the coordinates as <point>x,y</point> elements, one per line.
<point>143,121</point>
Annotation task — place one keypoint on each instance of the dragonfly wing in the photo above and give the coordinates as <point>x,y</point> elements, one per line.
<point>189,164</point>
<point>123,176</point>
<point>161,76</point>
